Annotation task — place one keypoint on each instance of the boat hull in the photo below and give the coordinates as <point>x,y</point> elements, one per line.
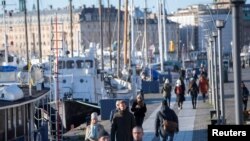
<point>78,112</point>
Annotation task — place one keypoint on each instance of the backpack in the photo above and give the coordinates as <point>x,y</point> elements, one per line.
<point>168,125</point>
<point>178,90</point>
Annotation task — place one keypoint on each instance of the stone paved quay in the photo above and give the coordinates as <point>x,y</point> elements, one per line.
<point>193,122</point>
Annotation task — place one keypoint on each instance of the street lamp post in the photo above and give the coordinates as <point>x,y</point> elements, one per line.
<point>220,24</point>
<point>214,34</point>
<point>213,99</point>
<point>236,6</point>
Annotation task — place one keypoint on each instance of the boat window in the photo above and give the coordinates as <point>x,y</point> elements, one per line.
<point>61,64</point>
<point>80,64</point>
<point>70,64</point>
<point>88,64</point>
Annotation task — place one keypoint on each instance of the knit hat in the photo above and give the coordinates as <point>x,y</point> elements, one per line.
<point>178,82</point>
<point>94,115</point>
<point>166,81</point>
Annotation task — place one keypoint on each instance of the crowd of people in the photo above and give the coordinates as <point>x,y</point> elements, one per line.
<point>126,124</point>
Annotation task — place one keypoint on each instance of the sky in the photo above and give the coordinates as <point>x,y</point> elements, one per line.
<point>171,5</point>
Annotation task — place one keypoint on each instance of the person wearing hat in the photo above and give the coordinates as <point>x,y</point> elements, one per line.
<point>166,91</point>
<point>139,108</point>
<point>122,124</point>
<point>94,129</point>
<point>104,136</point>
<point>180,91</point>
<point>168,114</point>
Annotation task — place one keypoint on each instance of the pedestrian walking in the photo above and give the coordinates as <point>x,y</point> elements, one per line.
<point>94,129</point>
<point>137,133</point>
<point>179,91</point>
<point>193,90</point>
<point>203,86</point>
<point>165,114</point>
<point>139,108</point>
<point>166,91</point>
<point>114,110</point>
<point>122,124</point>
<point>245,94</point>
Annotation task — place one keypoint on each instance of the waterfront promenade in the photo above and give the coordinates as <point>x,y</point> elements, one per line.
<point>193,123</point>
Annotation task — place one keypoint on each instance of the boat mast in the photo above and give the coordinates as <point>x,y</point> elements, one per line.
<point>101,33</point>
<point>109,36</point>
<point>71,28</point>
<point>125,33</point>
<point>145,33</point>
<point>118,49</point>
<point>5,36</point>
<point>26,31</point>
<point>39,32</point>
<point>133,51</point>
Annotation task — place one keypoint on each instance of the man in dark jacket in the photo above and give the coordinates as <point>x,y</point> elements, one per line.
<point>122,124</point>
<point>139,108</point>
<point>165,114</point>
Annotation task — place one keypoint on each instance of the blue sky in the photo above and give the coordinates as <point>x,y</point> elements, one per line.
<point>171,5</point>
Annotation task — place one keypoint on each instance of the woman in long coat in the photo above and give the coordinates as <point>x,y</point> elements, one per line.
<point>203,86</point>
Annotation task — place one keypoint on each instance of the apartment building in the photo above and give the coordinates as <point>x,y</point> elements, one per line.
<point>86,29</point>
<point>50,21</point>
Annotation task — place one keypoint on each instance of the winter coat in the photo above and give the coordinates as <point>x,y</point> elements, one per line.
<point>140,112</point>
<point>100,128</point>
<point>193,89</point>
<point>245,93</point>
<point>166,90</point>
<point>203,85</point>
<point>167,114</point>
<point>122,125</point>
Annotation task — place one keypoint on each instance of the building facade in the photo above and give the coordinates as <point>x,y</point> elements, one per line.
<point>197,22</point>
<point>55,25</point>
<point>50,21</point>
